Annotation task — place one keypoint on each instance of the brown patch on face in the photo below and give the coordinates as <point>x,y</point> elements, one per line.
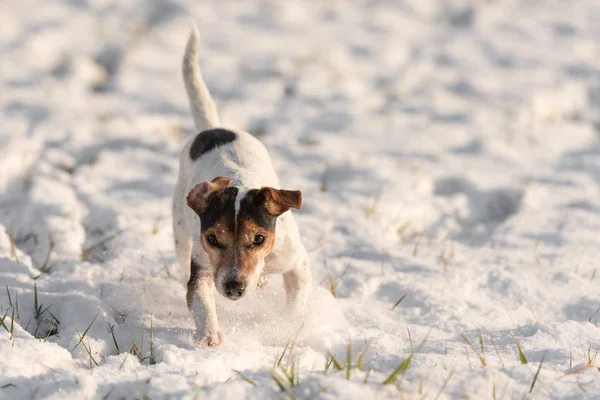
<point>251,250</point>
<point>220,244</point>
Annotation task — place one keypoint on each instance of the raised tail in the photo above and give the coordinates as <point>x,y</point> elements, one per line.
<point>202,106</point>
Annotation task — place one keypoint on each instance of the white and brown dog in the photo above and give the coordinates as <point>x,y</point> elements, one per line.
<point>228,194</point>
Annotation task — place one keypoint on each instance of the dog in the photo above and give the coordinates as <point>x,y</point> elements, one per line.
<point>228,195</point>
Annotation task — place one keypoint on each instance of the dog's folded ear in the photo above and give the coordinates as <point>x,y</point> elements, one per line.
<point>198,197</point>
<point>278,201</point>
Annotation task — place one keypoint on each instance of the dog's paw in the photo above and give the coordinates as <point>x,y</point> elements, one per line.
<point>263,282</point>
<point>209,339</point>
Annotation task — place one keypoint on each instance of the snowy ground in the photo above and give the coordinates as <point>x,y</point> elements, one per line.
<point>448,152</point>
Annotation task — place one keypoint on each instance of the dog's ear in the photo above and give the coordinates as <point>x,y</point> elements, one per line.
<point>278,201</point>
<point>222,182</point>
<point>197,199</point>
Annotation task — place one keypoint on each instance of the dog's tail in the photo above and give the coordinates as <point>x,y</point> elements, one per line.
<point>202,106</point>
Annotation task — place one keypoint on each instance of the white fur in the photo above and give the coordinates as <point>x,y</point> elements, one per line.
<point>246,161</point>
<point>203,108</point>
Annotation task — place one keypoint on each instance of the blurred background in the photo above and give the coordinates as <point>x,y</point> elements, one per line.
<point>391,101</point>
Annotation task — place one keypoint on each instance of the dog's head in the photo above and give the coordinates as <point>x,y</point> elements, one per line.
<point>237,230</point>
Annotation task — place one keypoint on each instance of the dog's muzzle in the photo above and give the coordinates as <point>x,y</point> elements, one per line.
<point>234,289</point>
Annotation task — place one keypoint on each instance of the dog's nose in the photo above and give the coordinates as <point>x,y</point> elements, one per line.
<point>234,289</point>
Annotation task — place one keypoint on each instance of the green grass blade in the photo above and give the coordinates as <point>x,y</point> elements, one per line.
<point>151,342</point>
<point>35,299</point>
<point>331,283</point>
<point>9,298</point>
<point>2,321</point>
<point>412,350</point>
<point>403,367</point>
<point>593,315</point>
<point>278,381</point>
<point>244,377</point>
<point>366,377</point>
<point>479,355</point>
<point>400,369</point>
<point>88,351</point>
<point>17,306</point>
<point>54,317</point>
<point>361,356</point>
<point>86,253</point>
<point>328,363</point>
<point>283,353</point>
<point>86,331</point>
<point>336,364</point>
<point>12,323</point>
<point>135,351</point>
<point>292,377</point>
<point>41,312</point>
<point>348,360</point>
<point>112,332</point>
<point>142,342</point>
<point>399,301</point>
<point>45,268</point>
<point>423,342</point>
<point>537,373</point>
<point>481,346</point>
<point>521,355</point>
<point>27,326</point>
<point>281,385</point>
<point>50,330</point>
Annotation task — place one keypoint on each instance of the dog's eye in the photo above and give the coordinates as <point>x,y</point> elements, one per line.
<point>258,240</point>
<point>212,240</point>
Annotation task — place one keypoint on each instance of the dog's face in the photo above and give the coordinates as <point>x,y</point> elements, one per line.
<point>238,230</point>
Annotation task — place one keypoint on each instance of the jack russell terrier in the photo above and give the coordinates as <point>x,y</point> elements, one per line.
<point>228,194</point>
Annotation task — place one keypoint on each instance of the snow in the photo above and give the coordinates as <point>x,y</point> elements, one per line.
<point>447,151</point>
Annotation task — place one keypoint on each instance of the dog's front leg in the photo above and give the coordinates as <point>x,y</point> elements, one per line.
<point>297,283</point>
<point>201,303</point>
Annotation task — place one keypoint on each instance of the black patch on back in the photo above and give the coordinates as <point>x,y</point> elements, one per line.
<point>207,140</point>
<point>220,205</point>
<point>252,207</point>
